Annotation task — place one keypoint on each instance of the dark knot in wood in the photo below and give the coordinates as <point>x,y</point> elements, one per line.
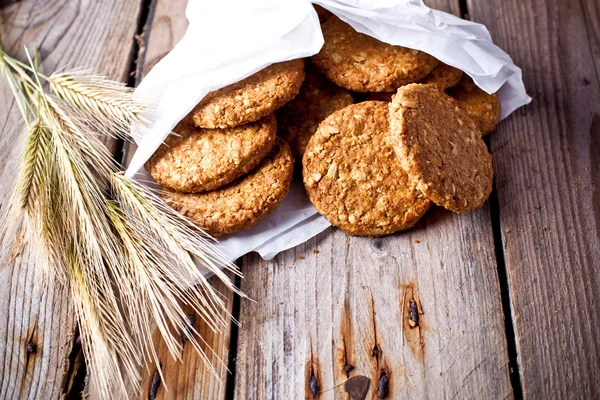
<point>413,314</point>
<point>31,348</point>
<point>314,385</point>
<point>383,386</point>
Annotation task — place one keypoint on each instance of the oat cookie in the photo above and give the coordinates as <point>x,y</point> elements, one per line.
<point>353,177</point>
<point>299,118</point>
<point>252,98</point>
<point>482,107</point>
<point>443,76</point>
<point>361,63</point>
<point>440,147</point>
<point>243,202</point>
<point>201,159</point>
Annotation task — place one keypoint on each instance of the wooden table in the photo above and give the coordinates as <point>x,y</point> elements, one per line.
<point>508,295</point>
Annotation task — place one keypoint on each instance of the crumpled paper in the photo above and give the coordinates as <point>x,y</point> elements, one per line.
<point>229,40</point>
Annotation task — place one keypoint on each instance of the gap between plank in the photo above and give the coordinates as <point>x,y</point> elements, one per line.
<point>511,339</point>
<point>233,339</point>
<point>137,58</point>
<point>464,9</point>
<point>514,373</point>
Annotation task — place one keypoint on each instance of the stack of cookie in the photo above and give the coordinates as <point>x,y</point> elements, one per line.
<point>225,168</point>
<point>376,167</point>
<point>383,132</point>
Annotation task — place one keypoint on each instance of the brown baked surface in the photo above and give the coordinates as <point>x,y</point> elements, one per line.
<point>440,147</point>
<point>243,202</point>
<point>353,177</point>
<point>482,107</point>
<point>443,76</point>
<point>361,63</point>
<point>252,98</point>
<point>197,159</point>
<point>317,99</point>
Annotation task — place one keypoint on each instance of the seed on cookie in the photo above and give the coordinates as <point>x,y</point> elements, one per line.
<point>440,147</point>
<point>198,159</point>
<point>243,202</point>
<point>252,98</point>
<point>361,63</point>
<point>482,107</point>
<point>443,76</point>
<point>353,176</point>
<point>317,99</point>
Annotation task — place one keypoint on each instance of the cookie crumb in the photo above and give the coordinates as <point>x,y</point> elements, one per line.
<point>507,231</point>
<point>315,251</point>
<point>301,257</point>
<point>417,241</point>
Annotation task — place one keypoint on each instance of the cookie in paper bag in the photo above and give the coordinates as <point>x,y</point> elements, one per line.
<point>252,98</point>
<point>353,177</point>
<point>482,107</point>
<point>443,76</point>
<point>440,147</point>
<point>198,159</point>
<point>243,202</point>
<point>318,98</point>
<point>358,62</point>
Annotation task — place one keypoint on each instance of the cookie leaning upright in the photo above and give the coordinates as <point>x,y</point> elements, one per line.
<point>243,202</point>
<point>252,98</point>
<point>440,147</point>
<point>198,159</point>
<point>358,62</point>
<point>353,177</point>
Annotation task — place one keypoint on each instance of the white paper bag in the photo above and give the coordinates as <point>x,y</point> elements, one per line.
<point>229,40</point>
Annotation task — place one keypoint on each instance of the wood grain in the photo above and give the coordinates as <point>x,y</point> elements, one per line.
<point>96,35</point>
<point>189,379</point>
<point>547,163</point>
<point>338,300</point>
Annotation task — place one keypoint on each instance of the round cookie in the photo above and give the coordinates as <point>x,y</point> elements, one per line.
<point>358,62</point>
<point>443,76</point>
<point>198,159</point>
<point>243,202</point>
<point>252,98</point>
<point>482,107</point>
<point>440,147</point>
<point>353,177</point>
<point>299,118</point>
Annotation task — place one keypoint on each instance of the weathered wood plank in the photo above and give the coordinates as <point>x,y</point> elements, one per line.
<point>96,35</point>
<point>189,379</point>
<point>348,304</point>
<point>547,163</point>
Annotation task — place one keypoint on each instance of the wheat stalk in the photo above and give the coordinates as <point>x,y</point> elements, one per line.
<point>103,101</point>
<point>130,261</point>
